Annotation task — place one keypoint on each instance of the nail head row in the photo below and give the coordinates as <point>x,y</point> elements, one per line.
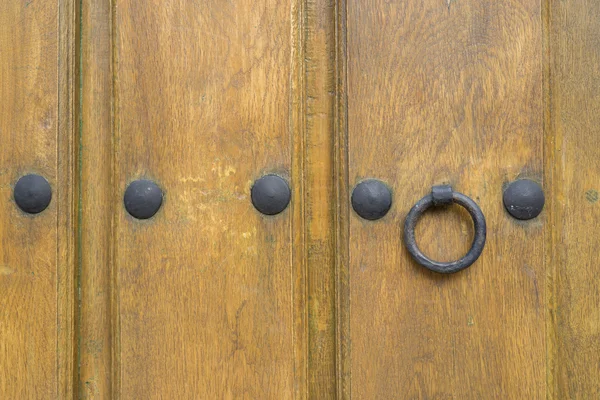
<point>371,199</point>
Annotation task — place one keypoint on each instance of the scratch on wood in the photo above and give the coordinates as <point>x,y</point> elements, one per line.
<point>236,332</point>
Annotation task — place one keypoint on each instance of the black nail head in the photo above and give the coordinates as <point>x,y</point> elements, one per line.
<point>524,199</point>
<point>32,193</point>
<point>142,199</point>
<point>371,199</point>
<point>270,194</point>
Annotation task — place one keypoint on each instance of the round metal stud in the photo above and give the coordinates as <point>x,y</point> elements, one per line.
<point>143,199</point>
<point>270,194</point>
<point>371,199</point>
<point>32,193</point>
<point>524,199</point>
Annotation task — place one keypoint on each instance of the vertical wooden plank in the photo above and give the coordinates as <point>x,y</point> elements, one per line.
<point>299,264</point>
<point>342,207</point>
<point>67,187</point>
<point>205,288</point>
<point>320,194</point>
<point>574,139</point>
<point>446,92</point>
<point>97,202</point>
<point>36,263</point>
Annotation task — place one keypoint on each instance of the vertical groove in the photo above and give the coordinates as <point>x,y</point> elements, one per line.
<point>342,209</point>
<point>320,194</point>
<point>77,150</point>
<point>551,232</point>
<point>299,284</point>
<point>114,272</point>
<point>95,201</point>
<point>68,97</point>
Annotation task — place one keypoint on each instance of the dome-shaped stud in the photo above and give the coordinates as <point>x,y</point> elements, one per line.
<point>143,199</point>
<point>32,193</point>
<point>371,199</point>
<point>270,194</point>
<point>524,199</point>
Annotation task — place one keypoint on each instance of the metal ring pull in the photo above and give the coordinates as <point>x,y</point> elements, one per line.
<point>444,195</point>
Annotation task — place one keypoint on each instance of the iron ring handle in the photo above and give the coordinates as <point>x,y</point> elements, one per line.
<point>444,195</point>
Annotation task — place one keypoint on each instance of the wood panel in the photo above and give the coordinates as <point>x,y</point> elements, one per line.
<point>37,252</point>
<point>319,99</point>
<point>211,299</point>
<point>446,92</point>
<point>98,202</point>
<point>203,292</point>
<point>574,142</point>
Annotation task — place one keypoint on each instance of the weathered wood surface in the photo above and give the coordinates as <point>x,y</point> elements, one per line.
<point>446,93</point>
<point>210,299</point>
<point>37,252</point>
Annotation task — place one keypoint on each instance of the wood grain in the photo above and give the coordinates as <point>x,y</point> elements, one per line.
<point>446,92</point>
<point>97,205</point>
<point>320,194</point>
<point>204,289</point>
<point>342,208</point>
<point>210,299</point>
<point>36,252</point>
<point>574,144</point>
<point>67,181</point>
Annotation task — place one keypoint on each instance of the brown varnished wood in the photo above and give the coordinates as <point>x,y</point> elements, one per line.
<point>36,252</point>
<point>342,208</point>
<point>210,299</point>
<point>446,92</point>
<point>320,194</point>
<point>66,199</point>
<point>98,202</point>
<point>574,146</point>
<point>204,289</point>
<point>299,261</point>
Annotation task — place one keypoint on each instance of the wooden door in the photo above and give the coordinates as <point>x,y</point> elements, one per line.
<point>211,299</point>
